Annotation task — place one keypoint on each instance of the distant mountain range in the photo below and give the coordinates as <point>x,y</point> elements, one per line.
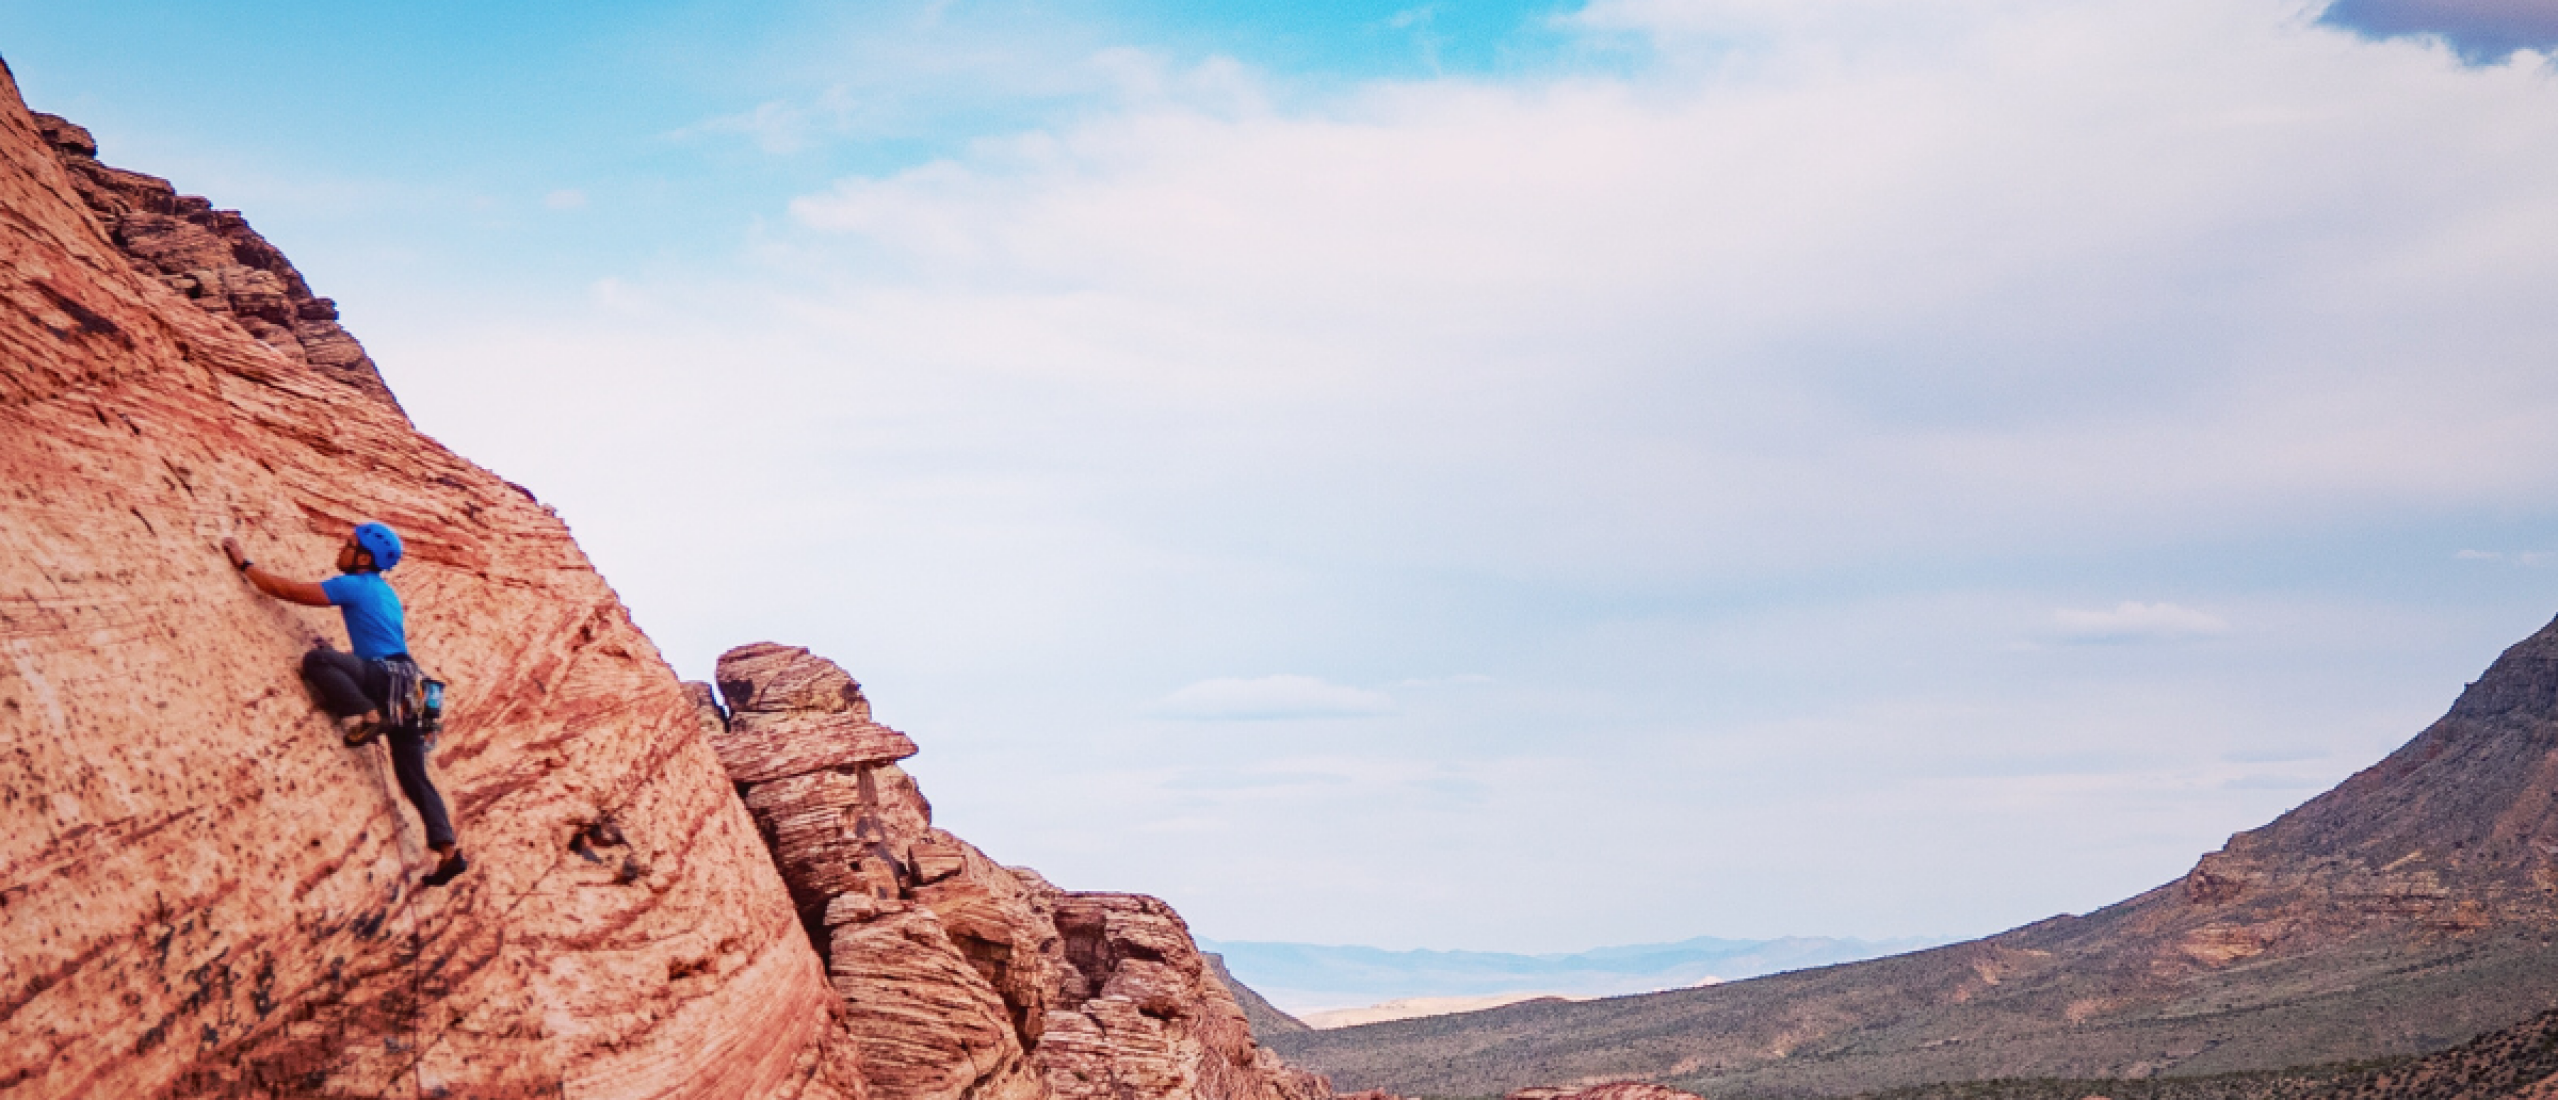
<point>1304,978</point>
<point>2406,911</point>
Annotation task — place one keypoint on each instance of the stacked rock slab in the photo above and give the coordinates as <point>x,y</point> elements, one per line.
<point>822,782</point>
<point>965,978</point>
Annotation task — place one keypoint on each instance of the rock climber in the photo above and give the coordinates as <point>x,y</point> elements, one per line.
<point>356,688</point>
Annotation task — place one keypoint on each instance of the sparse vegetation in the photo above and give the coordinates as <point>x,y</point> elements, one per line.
<point>2496,1065</point>
<point>2307,1083</point>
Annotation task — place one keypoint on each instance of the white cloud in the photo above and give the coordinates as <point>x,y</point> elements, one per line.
<point>774,126</point>
<point>1932,301</point>
<point>782,126</point>
<point>2526,558</point>
<point>568,198</point>
<point>1730,413</point>
<point>2302,783</point>
<point>1270,697</point>
<point>2138,622</point>
<point>2291,754</point>
<point>1462,679</point>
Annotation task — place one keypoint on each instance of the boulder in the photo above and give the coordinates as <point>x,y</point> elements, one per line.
<point>965,977</point>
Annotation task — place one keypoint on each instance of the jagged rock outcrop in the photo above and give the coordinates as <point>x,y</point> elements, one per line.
<point>2410,908</point>
<point>213,258</point>
<point>850,833</point>
<point>965,978</point>
<point>204,893</point>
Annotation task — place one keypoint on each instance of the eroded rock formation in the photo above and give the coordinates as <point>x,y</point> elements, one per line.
<point>204,893</point>
<point>966,978</point>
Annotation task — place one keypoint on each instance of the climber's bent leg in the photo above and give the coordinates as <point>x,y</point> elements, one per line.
<point>408,762</point>
<point>347,685</point>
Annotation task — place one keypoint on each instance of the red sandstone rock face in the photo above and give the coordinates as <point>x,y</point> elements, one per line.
<point>204,894</point>
<point>1141,1016</point>
<point>964,977</point>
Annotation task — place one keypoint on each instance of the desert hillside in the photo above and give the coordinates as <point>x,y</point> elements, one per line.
<point>2407,910</point>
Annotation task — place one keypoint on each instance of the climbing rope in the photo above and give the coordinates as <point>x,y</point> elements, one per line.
<point>418,1049</point>
<point>417,989</point>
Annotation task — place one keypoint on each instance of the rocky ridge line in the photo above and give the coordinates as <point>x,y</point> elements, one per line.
<point>1265,1018</point>
<point>212,258</point>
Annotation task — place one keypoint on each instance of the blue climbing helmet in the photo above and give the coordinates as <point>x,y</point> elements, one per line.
<point>381,542</point>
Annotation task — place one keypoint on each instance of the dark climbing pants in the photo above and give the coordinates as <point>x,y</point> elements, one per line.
<point>349,685</point>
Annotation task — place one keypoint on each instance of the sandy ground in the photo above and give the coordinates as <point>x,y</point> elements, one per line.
<point>1410,1007</point>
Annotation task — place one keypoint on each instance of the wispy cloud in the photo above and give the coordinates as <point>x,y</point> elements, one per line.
<point>1463,679</point>
<point>1268,698</point>
<point>2138,622</point>
<point>1424,38</point>
<point>2284,755</point>
<point>1252,779</point>
<point>2275,783</point>
<point>2525,558</point>
<point>782,126</point>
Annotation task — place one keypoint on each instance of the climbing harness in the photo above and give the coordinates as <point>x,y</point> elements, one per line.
<point>416,703</point>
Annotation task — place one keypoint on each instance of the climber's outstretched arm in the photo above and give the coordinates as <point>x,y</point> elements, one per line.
<point>292,591</point>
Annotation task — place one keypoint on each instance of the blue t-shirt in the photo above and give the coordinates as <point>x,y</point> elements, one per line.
<point>373,623</point>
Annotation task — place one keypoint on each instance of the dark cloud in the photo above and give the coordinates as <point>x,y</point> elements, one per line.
<point>2482,31</point>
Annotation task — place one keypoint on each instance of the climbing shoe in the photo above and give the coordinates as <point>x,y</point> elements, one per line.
<point>358,731</point>
<point>447,871</point>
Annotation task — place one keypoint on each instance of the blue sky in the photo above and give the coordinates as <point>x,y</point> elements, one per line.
<point>2480,31</point>
<point>1509,477</point>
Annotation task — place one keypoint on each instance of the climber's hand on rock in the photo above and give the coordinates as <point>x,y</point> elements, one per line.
<point>231,550</point>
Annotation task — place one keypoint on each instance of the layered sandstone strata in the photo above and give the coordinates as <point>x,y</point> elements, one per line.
<point>202,893</point>
<point>212,258</point>
<point>965,978</point>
